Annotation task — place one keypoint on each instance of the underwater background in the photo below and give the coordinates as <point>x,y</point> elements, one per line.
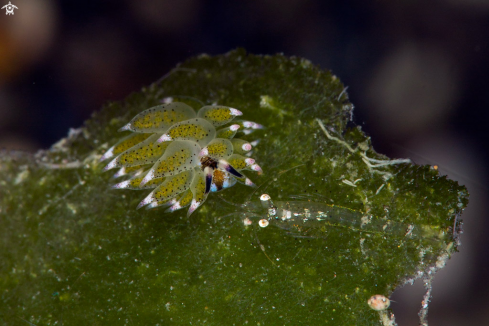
<point>416,73</point>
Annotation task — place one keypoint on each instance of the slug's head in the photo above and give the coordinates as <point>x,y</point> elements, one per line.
<point>183,155</point>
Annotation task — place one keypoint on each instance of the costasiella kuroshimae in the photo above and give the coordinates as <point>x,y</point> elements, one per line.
<point>183,155</point>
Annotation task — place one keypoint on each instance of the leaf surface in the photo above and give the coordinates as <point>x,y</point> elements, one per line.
<point>76,252</point>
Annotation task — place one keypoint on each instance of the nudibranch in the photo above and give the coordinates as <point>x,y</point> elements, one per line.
<point>182,154</point>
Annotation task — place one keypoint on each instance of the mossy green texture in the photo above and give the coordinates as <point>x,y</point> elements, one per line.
<point>76,252</point>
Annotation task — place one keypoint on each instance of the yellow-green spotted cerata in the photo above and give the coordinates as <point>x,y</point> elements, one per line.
<point>182,154</point>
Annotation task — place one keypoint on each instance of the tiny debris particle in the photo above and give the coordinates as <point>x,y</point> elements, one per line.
<point>378,302</point>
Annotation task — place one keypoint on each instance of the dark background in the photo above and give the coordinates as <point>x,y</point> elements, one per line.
<point>417,72</point>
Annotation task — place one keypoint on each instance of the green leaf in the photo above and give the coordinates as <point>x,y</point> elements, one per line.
<point>76,252</point>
